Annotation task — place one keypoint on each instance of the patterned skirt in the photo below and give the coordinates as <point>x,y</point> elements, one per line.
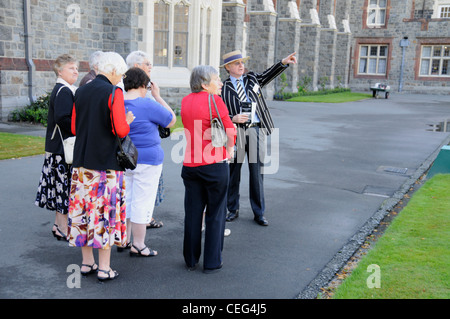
<point>97,216</point>
<point>54,184</point>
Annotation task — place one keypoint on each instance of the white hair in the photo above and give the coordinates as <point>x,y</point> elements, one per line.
<point>93,59</point>
<point>137,57</point>
<point>111,61</point>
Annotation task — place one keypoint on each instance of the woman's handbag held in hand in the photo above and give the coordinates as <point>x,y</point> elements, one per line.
<point>128,153</point>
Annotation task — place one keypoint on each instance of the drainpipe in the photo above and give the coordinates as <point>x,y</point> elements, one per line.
<point>28,59</point>
<point>404,43</point>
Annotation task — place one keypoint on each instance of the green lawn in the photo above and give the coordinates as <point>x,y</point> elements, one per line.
<point>413,255</point>
<point>15,145</point>
<point>331,98</point>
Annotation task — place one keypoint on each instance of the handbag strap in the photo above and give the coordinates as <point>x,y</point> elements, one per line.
<point>56,125</point>
<point>113,93</point>
<point>211,96</point>
<point>217,111</point>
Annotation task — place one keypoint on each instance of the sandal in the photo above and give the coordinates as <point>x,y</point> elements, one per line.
<point>108,272</point>
<point>93,270</point>
<point>58,233</point>
<point>140,254</point>
<point>155,224</point>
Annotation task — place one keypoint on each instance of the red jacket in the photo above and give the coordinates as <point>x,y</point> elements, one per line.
<point>197,127</point>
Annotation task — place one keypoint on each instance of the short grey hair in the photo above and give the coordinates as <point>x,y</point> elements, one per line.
<point>136,57</point>
<point>61,61</point>
<point>93,59</point>
<point>200,75</point>
<point>112,61</point>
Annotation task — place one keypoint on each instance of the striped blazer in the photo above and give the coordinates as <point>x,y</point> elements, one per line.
<point>253,82</point>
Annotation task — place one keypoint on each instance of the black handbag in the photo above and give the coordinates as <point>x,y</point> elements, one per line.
<point>127,154</point>
<point>163,131</point>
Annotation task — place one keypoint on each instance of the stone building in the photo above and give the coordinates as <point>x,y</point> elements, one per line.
<point>345,43</point>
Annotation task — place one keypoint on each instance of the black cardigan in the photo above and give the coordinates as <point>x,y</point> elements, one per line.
<point>96,146</point>
<point>59,112</point>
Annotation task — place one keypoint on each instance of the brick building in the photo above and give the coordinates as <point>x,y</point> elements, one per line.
<point>349,43</point>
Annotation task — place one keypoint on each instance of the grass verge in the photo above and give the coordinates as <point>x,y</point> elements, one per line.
<point>16,145</point>
<point>410,260</point>
<point>331,98</point>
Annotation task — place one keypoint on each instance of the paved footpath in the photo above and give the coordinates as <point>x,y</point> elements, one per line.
<point>333,171</point>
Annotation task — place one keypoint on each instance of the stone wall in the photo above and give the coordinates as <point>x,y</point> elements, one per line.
<point>77,27</point>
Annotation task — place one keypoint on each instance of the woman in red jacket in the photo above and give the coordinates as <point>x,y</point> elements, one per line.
<point>205,170</point>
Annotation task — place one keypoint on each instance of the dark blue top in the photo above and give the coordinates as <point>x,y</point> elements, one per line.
<point>144,129</point>
<point>59,112</point>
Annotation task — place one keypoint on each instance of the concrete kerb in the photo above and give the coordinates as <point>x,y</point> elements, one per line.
<point>329,272</point>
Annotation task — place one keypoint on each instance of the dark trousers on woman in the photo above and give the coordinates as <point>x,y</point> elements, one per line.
<point>205,186</point>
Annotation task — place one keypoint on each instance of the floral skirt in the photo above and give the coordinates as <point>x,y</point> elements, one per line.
<point>54,184</point>
<point>97,212</point>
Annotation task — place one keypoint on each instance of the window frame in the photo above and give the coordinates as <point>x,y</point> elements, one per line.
<point>365,16</point>
<point>437,9</point>
<point>171,47</point>
<point>372,57</point>
<point>423,42</point>
<point>440,11</point>
<point>441,58</point>
<point>363,41</point>
<point>169,75</point>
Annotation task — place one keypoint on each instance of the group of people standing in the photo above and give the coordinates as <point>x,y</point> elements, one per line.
<point>99,204</point>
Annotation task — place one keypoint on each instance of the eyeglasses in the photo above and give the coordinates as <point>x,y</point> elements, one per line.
<point>147,64</point>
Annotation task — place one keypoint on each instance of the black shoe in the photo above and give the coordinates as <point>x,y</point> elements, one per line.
<point>103,279</point>
<point>232,216</point>
<point>91,271</point>
<point>212,270</point>
<point>193,268</point>
<point>261,221</point>
<point>59,234</point>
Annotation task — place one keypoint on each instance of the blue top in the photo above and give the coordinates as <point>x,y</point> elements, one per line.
<point>144,129</point>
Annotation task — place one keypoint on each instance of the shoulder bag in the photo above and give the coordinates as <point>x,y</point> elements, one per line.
<point>127,154</point>
<point>218,135</point>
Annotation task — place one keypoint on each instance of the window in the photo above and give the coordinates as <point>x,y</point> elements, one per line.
<point>435,60</point>
<point>171,30</point>
<point>160,54</point>
<point>441,9</point>
<point>373,59</point>
<point>376,13</point>
<point>444,11</point>
<point>180,35</point>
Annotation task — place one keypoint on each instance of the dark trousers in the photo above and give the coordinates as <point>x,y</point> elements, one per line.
<point>252,145</point>
<point>205,186</point>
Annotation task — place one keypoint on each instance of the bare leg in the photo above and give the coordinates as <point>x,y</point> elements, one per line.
<point>139,231</point>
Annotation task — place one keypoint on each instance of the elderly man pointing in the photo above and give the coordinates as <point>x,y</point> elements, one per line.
<point>248,110</point>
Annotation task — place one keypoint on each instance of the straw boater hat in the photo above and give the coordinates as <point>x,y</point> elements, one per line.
<point>233,56</point>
